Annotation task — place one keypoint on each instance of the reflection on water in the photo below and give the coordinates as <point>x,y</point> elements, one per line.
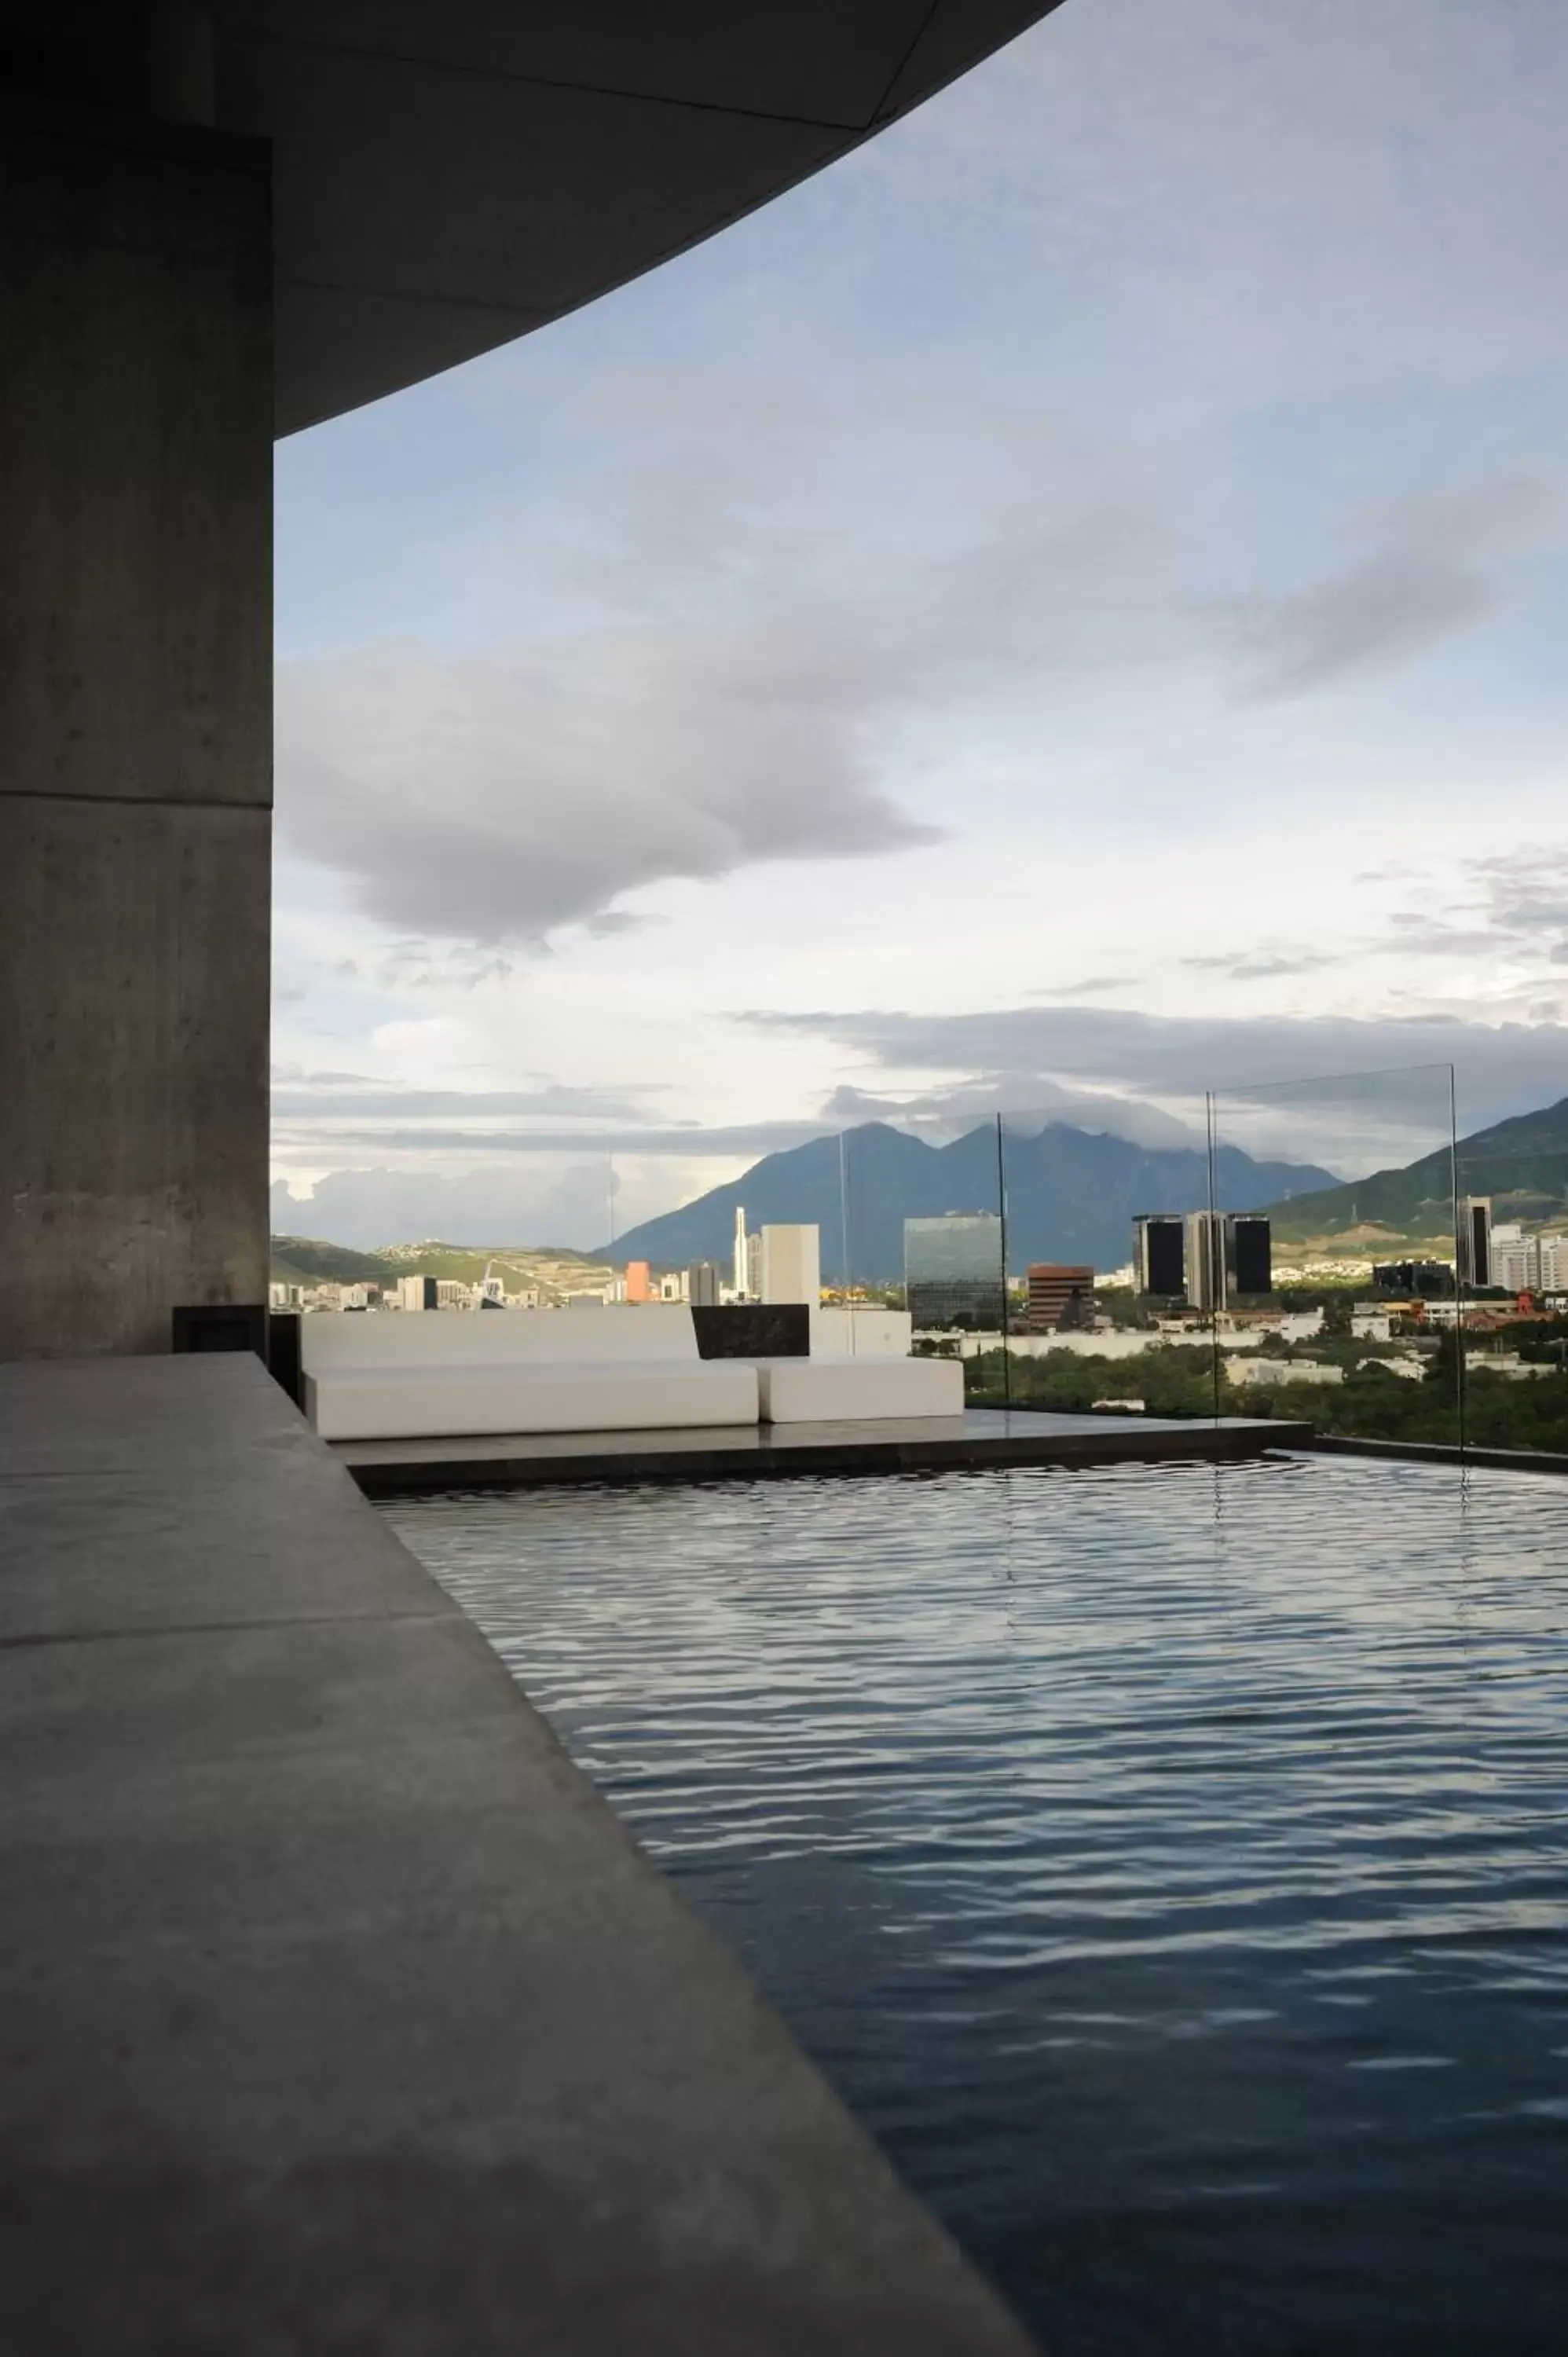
<point>1167,1863</point>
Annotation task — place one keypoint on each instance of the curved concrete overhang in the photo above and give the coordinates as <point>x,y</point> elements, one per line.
<point>448,178</point>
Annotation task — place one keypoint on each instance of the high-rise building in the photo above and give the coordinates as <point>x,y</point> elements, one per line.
<point>1159,1260</point>
<point>1475,1241</point>
<point>636,1284</point>
<point>952,1270</point>
<point>1060,1293</point>
<point>1248,1254</point>
<point>1205,1260</point>
<point>1228,1253</point>
<point>703,1286</point>
<point>791,1265</point>
<point>1523,1264</point>
<point>417,1293</point>
<point>741,1275</point>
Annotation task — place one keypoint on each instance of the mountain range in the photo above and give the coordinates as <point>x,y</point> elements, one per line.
<point>1072,1195</point>
<point>1522,1164</point>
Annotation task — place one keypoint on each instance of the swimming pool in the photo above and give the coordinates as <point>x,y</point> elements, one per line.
<point>1168,1863</point>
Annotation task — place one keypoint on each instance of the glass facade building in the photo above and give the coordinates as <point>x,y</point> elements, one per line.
<point>952,1270</point>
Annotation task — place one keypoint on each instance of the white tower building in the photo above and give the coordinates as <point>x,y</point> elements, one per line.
<point>742,1274</point>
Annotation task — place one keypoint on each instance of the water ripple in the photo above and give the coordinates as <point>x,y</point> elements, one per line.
<point>1168,1863</point>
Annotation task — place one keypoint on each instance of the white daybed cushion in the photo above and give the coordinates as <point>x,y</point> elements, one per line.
<point>428,1402</point>
<point>849,1390</point>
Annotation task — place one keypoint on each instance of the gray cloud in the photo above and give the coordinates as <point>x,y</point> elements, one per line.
<point>1340,1065</point>
<point>754,635</point>
<point>1261,965</point>
<point>1091,988</point>
<point>328,1100</point>
<point>692,1139</point>
<point>494,797</point>
<point>487,799</point>
<point>1024,1100</point>
<point>1434,565</point>
<point>535,1203</point>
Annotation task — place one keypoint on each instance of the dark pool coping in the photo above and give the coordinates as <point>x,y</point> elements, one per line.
<point>1434,1452</point>
<point>980,1437</point>
<point>336,2008</point>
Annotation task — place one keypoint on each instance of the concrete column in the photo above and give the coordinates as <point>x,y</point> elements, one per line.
<point>135,727</point>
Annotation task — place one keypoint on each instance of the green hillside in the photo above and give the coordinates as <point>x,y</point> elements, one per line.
<point>307,1260</point>
<point>1522,1164</point>
<point>553,1267</point>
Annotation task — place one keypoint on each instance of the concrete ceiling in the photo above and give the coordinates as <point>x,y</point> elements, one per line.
<point>448,178</point>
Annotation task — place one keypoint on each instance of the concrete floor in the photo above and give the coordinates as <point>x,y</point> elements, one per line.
<point>337,2011</point>
<point>979,1436</point>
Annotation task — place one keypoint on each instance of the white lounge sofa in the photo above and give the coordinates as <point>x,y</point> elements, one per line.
<point>857,1390</point>
<point>402,1375</point>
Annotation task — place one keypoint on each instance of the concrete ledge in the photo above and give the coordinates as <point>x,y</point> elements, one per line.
<point>980,1437</point>
<point>1432,1452</point>
<point>337,2010</point>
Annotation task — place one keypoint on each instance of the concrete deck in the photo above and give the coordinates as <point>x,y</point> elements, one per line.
<point>337,2011</point>
<point>981,1437</point>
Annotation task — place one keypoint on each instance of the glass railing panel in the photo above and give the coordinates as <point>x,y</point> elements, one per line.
<point>949,1252</point>
<point>1097,1313</point>
<point>1332,1255</point>
<point>1512,1254</point>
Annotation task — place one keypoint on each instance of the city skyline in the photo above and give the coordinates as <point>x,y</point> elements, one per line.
<point>732,665</point>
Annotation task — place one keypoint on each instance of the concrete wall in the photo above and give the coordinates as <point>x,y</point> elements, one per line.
<point>136,753</point>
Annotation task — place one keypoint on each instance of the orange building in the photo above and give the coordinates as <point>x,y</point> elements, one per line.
<point>636,1284</point>
<point>1053,1286</point>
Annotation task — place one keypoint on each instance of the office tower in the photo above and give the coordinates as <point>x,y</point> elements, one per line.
<point>740,1277</point>
<point>1248,1254</point>
<point>1422,1280</point>
<point>417,1293</point>
<point>952,1270</point>
<point>1205,1260</point>
<point>791,1265</point>
<point>1475,1241</point>
<point>1159,1260</point>
<point>637,1284</point>
<point>1061,1293</point>
<point>1228,1253</point>
<point>703,1285</point>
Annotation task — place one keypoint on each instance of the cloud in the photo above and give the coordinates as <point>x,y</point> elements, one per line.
<point>1024,1100</point>
<point>1343,1069</point>
<point>716,1140</point>
<point>1432,566</point>
<point>745,658</point>
<point>327,1099</point>
<point>494,797</point>
<point>538,1203</point>
<point>1261,965</point>
<point>1091,988</point>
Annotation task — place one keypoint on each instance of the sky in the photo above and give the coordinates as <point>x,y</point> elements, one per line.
<point>1063,612</point>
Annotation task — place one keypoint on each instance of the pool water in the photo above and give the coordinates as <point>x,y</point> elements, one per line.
<point>1168,1864</point>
